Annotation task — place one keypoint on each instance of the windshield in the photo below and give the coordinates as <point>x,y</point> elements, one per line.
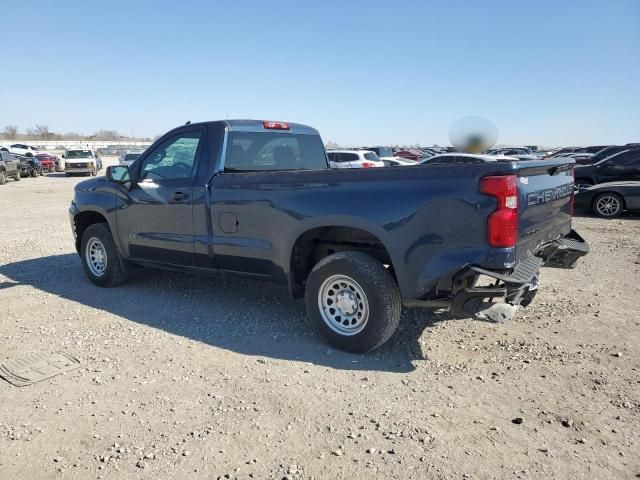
<point>79,154</point>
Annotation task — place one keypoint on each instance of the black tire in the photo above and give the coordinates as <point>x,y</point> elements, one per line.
<point>3,178</point>
<point>608,205</point>
<point>116,271</point>
<point>382,297</point>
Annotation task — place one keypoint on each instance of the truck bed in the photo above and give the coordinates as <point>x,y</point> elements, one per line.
<point>432,220</point>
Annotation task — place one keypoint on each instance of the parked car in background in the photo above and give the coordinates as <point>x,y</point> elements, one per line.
<point>510,151</point>
<point>609,200</point>
<point>21,149</point>
<point>113,150</point>
<point>382,152</point>
<point>80,161</point>
<point>398,162</point>
<point>30,166</point>
<point>621,166</point>
<point>9,167</point>
<point>559,152</point>
<point>50,163</point>
<point>429,152</point>
<point>128,158</point>
<point>411,154</point>
<point>588,159</point>
<point>353,159</point>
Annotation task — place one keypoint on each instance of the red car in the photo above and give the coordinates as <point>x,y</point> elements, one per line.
<point>408,153</point>
<point>50,163</point>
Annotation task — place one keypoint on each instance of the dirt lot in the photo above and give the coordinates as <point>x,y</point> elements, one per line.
<point>187,377</point>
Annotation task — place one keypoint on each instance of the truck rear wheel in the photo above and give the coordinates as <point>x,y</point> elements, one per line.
<point>17,176</point>
<point>353,301</point>
<point>100,258</point>
<point>3,178</point>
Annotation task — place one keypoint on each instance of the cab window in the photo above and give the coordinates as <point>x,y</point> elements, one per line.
<point>255,151</point>
<point>175,158</point>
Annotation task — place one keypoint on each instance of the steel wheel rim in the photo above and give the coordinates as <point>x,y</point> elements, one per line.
<point>343,305</point>
<point>608,206</point>
<point>96,257</point>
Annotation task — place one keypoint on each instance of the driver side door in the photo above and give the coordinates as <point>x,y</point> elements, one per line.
<point>155,218</point>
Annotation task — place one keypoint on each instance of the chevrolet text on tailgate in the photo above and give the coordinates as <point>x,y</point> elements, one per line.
<point>257,199</point>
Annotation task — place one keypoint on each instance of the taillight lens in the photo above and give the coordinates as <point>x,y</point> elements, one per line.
<point>502,224</point>
<point>368,165</point>
<point>275,125</point>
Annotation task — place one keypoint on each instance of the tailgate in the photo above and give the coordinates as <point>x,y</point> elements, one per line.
<point>545,206</point>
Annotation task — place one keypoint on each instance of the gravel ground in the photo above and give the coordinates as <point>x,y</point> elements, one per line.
<point>187,377</point>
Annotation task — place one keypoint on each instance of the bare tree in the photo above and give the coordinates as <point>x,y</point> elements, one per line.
<point>11,131</point>
<point>43,131</point>
<point>106,134</point>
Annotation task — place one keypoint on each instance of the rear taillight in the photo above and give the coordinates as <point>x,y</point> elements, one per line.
<point>368,165</point>
<point>502,224</point>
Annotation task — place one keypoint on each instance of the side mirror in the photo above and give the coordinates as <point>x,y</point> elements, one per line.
<point>118,174</point>
<point>63,156</point>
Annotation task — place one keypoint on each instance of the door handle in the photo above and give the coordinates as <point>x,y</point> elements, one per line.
<point>179,196</point>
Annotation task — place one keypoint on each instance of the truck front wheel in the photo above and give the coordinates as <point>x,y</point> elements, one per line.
<point>100,258</point>
<point>353,300</point>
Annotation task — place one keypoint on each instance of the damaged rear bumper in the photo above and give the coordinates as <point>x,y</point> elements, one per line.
<point>518,287</point>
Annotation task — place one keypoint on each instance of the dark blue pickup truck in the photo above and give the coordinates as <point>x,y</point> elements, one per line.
<point>257,199</point>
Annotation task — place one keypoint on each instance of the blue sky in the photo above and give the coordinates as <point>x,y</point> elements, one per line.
<point>545,72</point>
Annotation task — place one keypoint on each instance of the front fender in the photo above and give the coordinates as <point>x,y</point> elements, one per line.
<point>98,201</point>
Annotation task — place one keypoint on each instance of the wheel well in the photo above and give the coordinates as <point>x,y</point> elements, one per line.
<point>313,245</point>
<point>82,222</point>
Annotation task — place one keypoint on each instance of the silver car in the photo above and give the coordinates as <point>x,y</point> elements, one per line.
<point>128,158</point>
